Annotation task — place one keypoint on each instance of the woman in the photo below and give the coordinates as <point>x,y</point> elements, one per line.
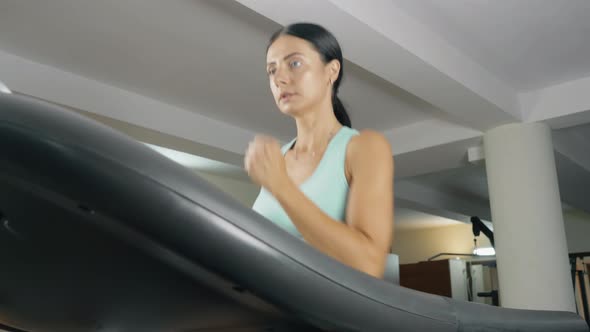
<point>331,185</point>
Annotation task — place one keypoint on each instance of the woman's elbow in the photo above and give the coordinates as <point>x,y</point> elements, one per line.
<point>375,264</point>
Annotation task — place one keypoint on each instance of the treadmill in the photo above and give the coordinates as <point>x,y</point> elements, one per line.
<point>99,232</point>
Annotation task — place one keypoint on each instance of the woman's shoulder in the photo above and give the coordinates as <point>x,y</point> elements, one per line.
<point>369,141</point>
<point>368,147</point>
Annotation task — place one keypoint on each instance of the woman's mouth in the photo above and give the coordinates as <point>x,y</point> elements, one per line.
<point>286,96</point>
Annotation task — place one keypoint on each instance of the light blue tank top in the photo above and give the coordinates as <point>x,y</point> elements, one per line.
<point>327,187</point>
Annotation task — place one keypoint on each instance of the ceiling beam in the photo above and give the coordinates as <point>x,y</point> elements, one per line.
<point>562,105</point>
<point>426,134</point>
<point>433,201</point>
<point>60,87</point>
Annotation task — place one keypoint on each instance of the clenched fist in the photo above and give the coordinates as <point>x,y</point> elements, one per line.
<point>265,163</point>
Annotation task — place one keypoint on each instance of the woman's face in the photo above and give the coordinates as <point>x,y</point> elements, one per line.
<point>298,77</point>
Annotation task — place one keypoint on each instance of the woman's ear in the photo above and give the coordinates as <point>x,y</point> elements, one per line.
<point>333,70</point>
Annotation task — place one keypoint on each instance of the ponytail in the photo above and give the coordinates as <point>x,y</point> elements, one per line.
<point>340,112</point>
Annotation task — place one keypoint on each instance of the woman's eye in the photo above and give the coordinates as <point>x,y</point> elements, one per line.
<point>295,64</point>
<point>271,71</point>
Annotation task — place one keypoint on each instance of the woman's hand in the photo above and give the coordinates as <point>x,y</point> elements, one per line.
<point>265,163</point>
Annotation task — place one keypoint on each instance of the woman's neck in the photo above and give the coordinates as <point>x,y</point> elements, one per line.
<point>315,130</point>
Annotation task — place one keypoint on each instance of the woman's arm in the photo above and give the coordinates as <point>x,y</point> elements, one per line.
<point>365,240</point>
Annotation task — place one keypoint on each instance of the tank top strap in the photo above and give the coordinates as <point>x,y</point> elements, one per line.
<point>336,155</point>
<point>287,146</point>
<point>342,139</point>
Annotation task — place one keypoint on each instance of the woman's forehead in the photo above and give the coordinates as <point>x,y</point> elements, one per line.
<point>286,45</point>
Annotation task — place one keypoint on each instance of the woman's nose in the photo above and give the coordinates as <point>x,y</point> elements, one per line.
<point>280,77</point>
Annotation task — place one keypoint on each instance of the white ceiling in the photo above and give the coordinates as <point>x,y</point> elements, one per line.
<point>469,184</point>
<point>433,76</point>
<point>529,44</point>
<point>202,56</point>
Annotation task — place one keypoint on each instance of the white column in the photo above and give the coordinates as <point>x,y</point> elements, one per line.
<point>531,249</point>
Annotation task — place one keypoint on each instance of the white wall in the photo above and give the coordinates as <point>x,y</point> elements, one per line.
<point>415,245</point>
